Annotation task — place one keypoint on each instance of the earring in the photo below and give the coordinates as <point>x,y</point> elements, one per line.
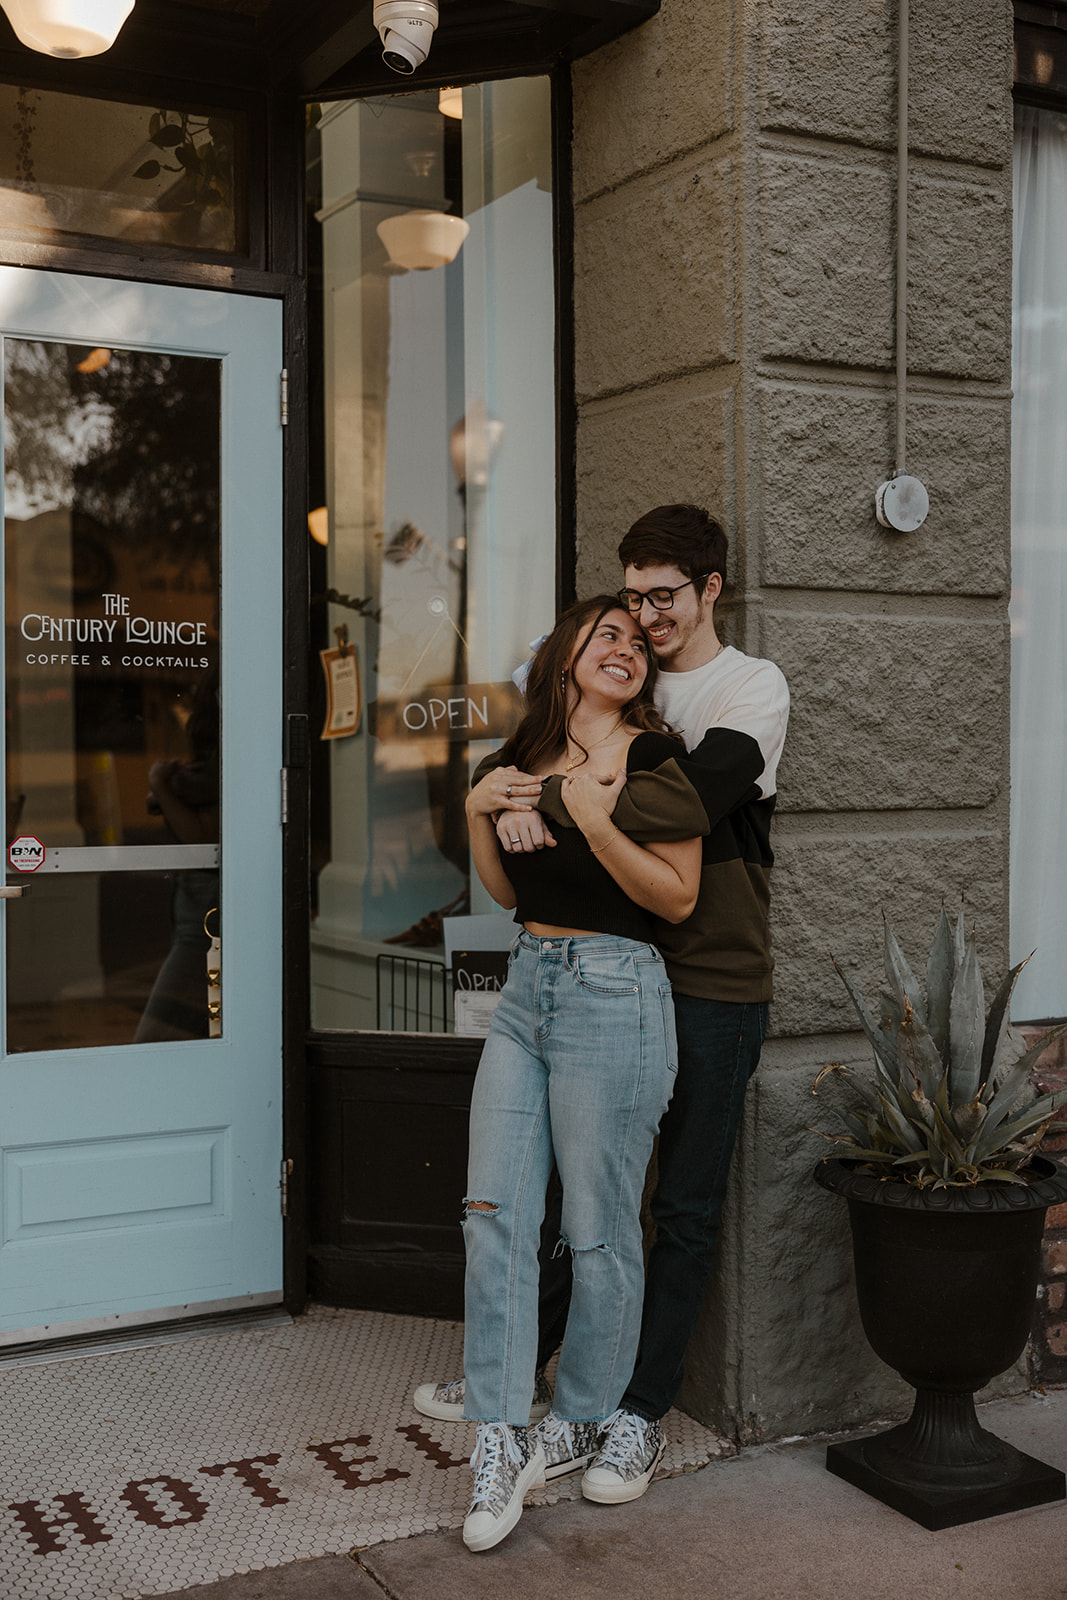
<point>563,678</point>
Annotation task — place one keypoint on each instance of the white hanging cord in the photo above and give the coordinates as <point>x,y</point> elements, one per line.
<point>902,235</point>
<point>902,503</point>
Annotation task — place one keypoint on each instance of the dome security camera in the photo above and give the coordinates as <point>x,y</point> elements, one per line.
<point>406,28</point>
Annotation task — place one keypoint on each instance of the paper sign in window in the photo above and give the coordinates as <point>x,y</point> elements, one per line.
<point>341,668</point>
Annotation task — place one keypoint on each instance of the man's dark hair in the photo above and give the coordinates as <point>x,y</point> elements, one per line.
<point>682,536</point>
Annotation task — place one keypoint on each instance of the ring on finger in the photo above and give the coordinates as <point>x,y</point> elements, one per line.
<point>507,791</point>
<point>514,841</point>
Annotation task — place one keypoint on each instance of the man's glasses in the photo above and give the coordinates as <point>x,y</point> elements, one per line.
<point>658,599</point>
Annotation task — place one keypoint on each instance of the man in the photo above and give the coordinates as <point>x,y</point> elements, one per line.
<point>731,710</point>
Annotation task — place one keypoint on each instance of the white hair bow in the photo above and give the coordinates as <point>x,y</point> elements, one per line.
<point>520,675</point>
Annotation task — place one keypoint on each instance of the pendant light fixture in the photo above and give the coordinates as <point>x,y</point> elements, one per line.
<point>422,240</point>
<point>67,28</point>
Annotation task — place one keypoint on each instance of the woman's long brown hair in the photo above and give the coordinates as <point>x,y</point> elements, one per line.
<point>545,728</point>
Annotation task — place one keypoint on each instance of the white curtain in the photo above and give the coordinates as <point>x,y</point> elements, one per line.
<point>1039,566</point>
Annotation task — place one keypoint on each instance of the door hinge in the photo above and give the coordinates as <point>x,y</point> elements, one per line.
<point>285,795</point>
<point>285,397</point>
<point>287,1167</point>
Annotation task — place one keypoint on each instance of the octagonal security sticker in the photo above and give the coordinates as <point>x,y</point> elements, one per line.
<point>26,853</point>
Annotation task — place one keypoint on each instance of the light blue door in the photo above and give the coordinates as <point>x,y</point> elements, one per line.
<point>140,1082</point>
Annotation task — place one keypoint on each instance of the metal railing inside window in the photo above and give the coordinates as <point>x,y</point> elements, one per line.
<point>414,995</point>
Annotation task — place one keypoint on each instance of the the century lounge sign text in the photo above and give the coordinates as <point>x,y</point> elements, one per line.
<point>117,630</point>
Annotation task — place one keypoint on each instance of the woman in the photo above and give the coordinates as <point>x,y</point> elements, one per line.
<point>579,1062</point>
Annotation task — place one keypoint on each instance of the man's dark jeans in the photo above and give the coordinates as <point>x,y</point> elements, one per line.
<point>719,1045</point>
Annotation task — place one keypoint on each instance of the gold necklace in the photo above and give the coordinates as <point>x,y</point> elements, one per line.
<point>578,760</point>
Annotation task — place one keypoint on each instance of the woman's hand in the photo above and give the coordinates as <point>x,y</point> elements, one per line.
<point>523,832</point>
<point>591,801</point>
<point>160,774</point>
<point>663,878</point>
<point>503,789</point>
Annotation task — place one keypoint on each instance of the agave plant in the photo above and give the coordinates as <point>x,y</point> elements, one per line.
<point>951,1103</point>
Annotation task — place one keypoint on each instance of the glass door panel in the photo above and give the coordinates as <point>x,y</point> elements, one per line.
<point>112,605</point>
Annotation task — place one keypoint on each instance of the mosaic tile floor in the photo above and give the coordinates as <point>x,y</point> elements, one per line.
<point>143,1471</point>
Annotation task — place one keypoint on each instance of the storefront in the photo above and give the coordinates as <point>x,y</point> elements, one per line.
<point>636,253</point>
<point>288,490</point>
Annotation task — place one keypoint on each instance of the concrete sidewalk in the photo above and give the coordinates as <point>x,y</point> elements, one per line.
<point>771,1524</point>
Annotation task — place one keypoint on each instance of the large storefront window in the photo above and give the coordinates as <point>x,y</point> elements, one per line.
<point>433,523</point>
<point>1039,564</point>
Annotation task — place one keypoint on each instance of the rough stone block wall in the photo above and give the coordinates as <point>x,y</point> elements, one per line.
<point>734,186</point>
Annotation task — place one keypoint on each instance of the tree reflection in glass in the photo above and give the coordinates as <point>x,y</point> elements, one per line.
<point>112,560</point>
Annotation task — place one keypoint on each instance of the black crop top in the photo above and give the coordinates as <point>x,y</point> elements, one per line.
<point>567,887</point>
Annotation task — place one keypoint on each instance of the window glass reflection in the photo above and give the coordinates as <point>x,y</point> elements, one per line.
<point>112,464</point>
<point>144,174</point>
<point>433,521</point>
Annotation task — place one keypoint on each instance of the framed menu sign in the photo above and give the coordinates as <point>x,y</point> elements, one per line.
<point>476,953</point>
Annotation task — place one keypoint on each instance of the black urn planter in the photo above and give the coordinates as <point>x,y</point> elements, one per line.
<point>946,1280</point>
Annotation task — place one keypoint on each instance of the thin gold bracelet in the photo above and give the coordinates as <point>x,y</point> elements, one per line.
<point>596,849</point>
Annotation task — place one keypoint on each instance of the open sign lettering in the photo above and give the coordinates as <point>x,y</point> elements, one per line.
<point>457,713</point>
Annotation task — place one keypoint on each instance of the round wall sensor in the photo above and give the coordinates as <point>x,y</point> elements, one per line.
<point>902,503</point>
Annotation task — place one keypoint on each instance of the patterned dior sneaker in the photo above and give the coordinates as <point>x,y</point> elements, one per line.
<point>568,1446</point>
<point>442,1400</point>
<point>445,1401</point>
<point>507,1462</point>
<point>631,1450</point>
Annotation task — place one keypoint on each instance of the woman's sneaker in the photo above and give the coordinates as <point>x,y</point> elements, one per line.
<point>631,1450</point>
<point>445,1401</point>
<point>568,1446</point>
<point>507,1462</point>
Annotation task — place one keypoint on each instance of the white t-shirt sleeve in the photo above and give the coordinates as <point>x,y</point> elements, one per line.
<point>758,704</point>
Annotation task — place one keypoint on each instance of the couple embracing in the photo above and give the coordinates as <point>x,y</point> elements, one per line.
<point>627,823</point>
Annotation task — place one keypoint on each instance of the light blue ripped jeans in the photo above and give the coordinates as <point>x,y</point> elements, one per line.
<point>579,1065</point>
